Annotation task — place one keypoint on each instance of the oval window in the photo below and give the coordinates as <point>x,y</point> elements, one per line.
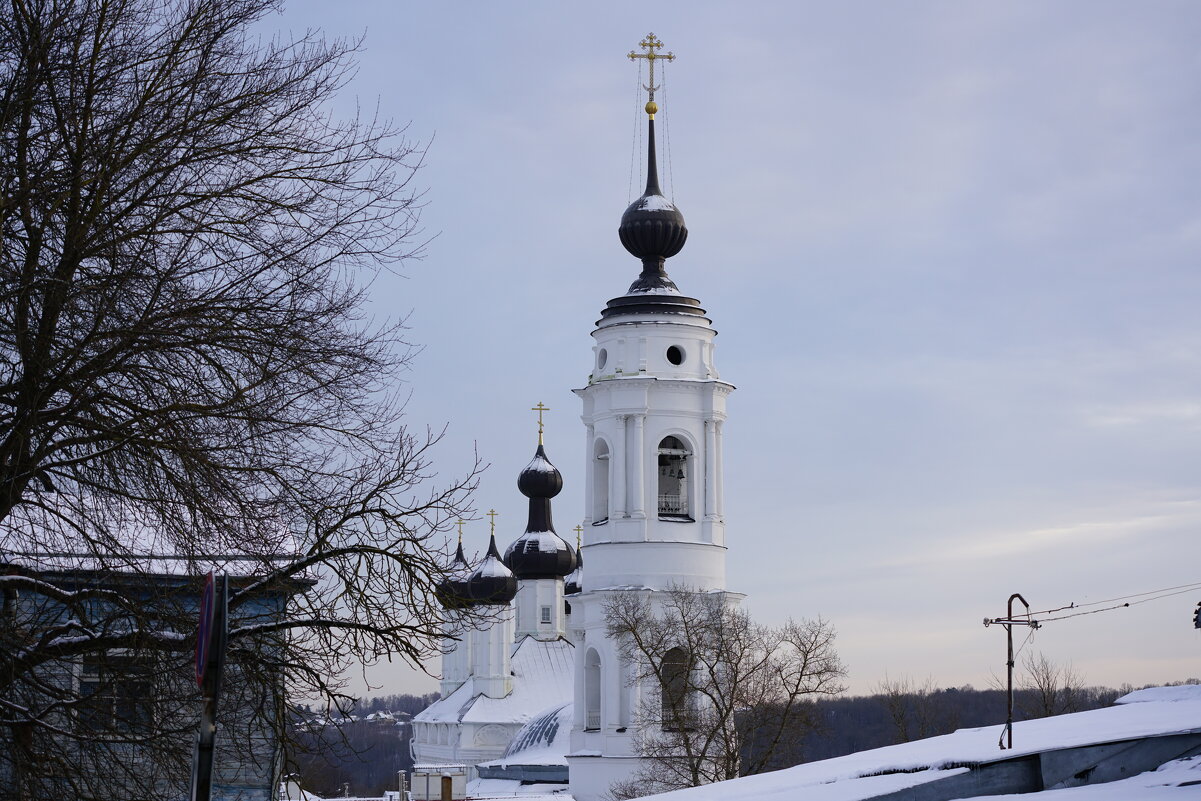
<point>602,356</point>
<point>675,355</point>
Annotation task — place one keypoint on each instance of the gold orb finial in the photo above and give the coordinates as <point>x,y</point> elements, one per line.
<point>651,108</point>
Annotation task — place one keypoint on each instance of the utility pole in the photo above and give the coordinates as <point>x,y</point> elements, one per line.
<point>1009,622</point>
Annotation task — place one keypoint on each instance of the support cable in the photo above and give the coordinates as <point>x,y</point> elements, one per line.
<point>636,139</point>
<point>671,178</point>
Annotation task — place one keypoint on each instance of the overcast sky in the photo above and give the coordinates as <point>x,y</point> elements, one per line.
<point>952,252</point>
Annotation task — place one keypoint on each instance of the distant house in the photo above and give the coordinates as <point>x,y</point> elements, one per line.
<point>105,691</point>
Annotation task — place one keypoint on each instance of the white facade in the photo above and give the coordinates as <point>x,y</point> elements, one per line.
<point>539,604</point>
<point>468,726</point>
<point>653,413</point>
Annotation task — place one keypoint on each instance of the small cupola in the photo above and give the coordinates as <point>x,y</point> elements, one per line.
<point>492,583</point>
<point>574,583</point>
<point>452,591</point>
<point>540,553</point>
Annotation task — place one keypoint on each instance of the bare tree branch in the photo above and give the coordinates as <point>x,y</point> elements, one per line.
<point>189,379</point>
<point>722,694</point>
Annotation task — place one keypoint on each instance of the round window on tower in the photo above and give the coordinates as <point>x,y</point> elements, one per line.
<point>602,356</point>
<point>675,355</point>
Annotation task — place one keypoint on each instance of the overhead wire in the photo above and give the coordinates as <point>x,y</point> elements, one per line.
<point>1164,592</point>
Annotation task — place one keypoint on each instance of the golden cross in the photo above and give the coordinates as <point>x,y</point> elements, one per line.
<point>460,524</point>
<point>492,514</point>
<point>539,409</point>
<point>650,44</point>
<point>578,534</point>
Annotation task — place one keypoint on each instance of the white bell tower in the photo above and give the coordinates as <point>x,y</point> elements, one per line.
<point>653,410</point>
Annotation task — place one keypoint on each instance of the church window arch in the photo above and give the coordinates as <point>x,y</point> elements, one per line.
<point>676,700</point>
<point>675,460</point>
<point>592,690</point>
<point>600,485</point>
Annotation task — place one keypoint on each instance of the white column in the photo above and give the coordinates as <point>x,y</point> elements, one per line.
<point>638,455</point>
<point>589,473</point>
<point>491,647</point>
<point>720,483</point>
<point>710,469</point>
<point>619,458</point>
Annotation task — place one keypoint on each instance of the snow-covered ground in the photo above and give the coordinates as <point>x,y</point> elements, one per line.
<point>1150,712</point>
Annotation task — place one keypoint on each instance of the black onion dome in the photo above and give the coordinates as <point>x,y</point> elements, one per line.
<point>492,582</point>
<point>540,553</point>
<point>652,229</point>
<point>574,583</point>
<point>452,591</point>
<point>540,478</point>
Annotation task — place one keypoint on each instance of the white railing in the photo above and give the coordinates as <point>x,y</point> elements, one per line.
<point>593,722</point>
<point>671,505</point>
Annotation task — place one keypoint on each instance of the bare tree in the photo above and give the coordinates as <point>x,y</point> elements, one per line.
<point>713,683</point>
<point>1049,688</point>
<point>188,376</point>
<point>916,711</point>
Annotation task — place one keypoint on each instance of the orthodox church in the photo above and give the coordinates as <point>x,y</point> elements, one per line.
<point>538,693</point>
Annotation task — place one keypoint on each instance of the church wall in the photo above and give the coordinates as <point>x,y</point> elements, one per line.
<point>533,596</point>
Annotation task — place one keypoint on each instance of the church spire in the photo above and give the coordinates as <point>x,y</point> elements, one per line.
<point>652,228</point>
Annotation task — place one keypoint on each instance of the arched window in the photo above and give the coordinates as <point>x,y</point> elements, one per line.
<point>600,483</point>
<point>676,701</point>
<point>592,691</point>
<point>675,471</point>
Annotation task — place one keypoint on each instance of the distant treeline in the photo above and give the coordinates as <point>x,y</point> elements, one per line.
<point>363,752</point>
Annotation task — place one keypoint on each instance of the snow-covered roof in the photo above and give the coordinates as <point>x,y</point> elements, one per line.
<point>1145,713</point>
<point>139,547</point>
<point>545,740</point>
<point>505,788</point>
<point>542,678</point>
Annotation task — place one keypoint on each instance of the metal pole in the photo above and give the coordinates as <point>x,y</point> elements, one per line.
<point>206,737</point>
<point>1008,622</point>
<point>1009,664</point>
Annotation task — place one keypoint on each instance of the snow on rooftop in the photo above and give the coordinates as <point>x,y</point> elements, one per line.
<point>478,789</point>
<point>543,677</point>
<point>539,541</point>
<point>542,741</point>
<point>1145,713</point>
<point>133,542</point>
<point>540,465</point>
<point>492,567</point>
<point>654,203</point>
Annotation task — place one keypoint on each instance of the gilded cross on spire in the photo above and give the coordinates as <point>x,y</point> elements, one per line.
<point>492,522</point>
<point>540,409</point>
<point>579,533</point>
<point>650,44</point>
<point>460,523</point>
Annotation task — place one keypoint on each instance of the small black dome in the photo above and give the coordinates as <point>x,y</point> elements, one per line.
<point>574,583</point>
<point>540,478</point>
<point>540,553</point>
<point>492,583</point>
<point>452,592</point>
